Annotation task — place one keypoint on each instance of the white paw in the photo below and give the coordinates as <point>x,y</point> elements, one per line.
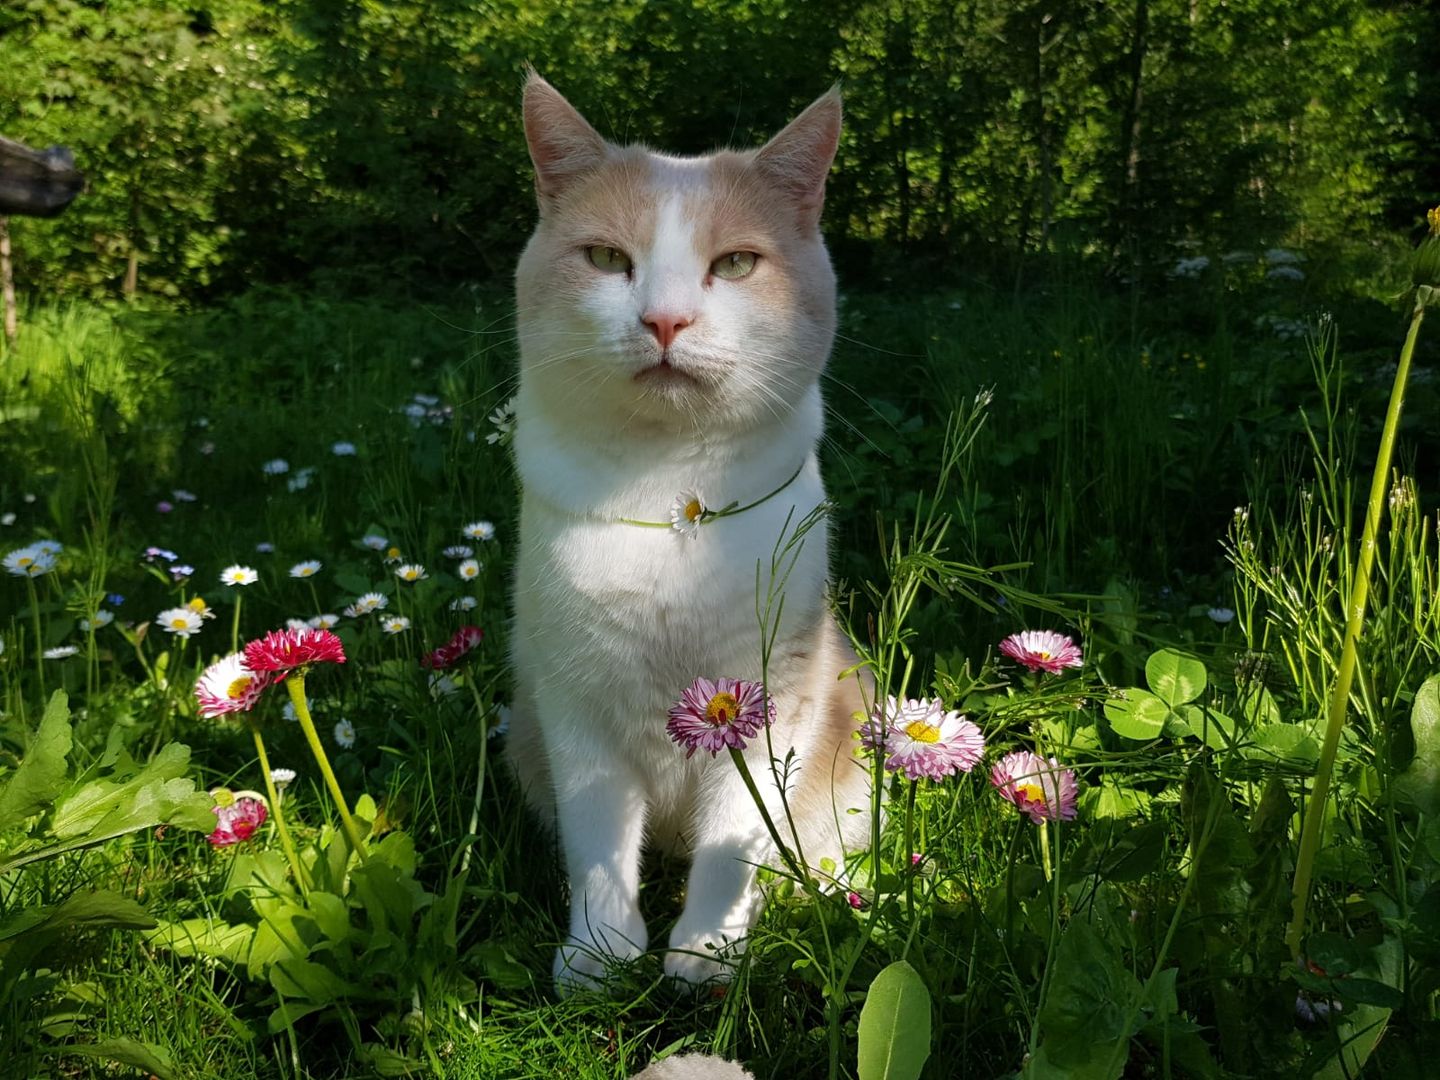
<point>582,965</point>
<point>698,959</point>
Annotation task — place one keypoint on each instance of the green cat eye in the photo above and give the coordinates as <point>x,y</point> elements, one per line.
<point>611,260</point>
<point>736,265</point>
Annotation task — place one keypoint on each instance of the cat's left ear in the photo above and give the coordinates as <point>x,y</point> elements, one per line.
<point>799,157</point>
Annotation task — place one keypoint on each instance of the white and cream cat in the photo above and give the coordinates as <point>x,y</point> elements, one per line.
<point>674,316</point>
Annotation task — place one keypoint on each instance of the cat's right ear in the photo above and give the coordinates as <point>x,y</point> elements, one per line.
<point>562,145</point>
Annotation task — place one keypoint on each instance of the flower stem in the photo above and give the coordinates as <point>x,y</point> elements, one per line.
<point>39,642</point>
<point>910,855</point>
<point>285,842</point>
<point>235,624</point>
<point>1345,673</point>
<point>295,687</point>
<point>790,864</point>
<point>480,778</point>
<point>1045,849</point>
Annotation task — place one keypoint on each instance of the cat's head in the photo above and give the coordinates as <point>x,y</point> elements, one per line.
<point>667,292</point>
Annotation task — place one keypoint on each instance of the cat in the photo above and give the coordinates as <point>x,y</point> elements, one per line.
<point>674,316</point>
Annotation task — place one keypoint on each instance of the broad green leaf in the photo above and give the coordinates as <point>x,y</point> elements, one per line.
<point>1088,1003</point>
<point>40,777</point>
<point>307,980</point>
<point>1174,677</point>
<point>147,1057</point>
<point>1112,800</point>
<point>1138,715</point>
<point>26,936</point>
<point>1215,730</point>
<point>288,1013</point>
<point>1420,782</point>
<point>202,937</point>
<point>1259,708</point>
<point>158,794</point>
<point>1289,743</point>
<point>894,1025</point>
<point>1361,1025</point>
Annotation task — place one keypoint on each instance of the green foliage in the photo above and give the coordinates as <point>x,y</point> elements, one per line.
<point>894,1032</point>
<point>1420,782</point>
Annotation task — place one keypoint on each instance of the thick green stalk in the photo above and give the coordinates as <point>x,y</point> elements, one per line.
<point>1355,622</point>
<point>295,686</point>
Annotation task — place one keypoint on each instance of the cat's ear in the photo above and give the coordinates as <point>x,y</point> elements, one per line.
<point>562,145</point>
<point>799,158</point>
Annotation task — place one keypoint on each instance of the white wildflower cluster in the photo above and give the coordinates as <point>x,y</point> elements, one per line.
<point>503,421</point>
<point>1191,268</point>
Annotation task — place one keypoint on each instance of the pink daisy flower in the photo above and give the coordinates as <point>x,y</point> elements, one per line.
<point>923,739</point>
<point>285,650</point>
<point>453,651</point>
<point>1037,786</point>
<point>237,820</point>
<point>715,714</point>
<point>1042,650</point>
<point>228,686</point>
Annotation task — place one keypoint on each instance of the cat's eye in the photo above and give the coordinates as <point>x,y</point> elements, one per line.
<point>611,260</point>
<point>736,265</point>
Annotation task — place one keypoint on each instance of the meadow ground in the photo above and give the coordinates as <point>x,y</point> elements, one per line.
<point>1174,479</point>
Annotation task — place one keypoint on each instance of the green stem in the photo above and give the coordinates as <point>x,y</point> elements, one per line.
<point>39,643</point>
<point>480,778</point>
<point>1045,849</point>
<point>285,842</point>
<point>235,623</point>
<point>909,860</point>
<point>295,686</point>
<point>1345,674</point>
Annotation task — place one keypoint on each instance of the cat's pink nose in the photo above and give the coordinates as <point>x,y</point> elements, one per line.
<point>664,326</point>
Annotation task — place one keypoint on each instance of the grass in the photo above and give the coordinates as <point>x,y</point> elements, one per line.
<point>1094,498</point>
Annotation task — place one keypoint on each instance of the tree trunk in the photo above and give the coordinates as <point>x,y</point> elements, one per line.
<point>7,284</point>
<point>1126,228</point>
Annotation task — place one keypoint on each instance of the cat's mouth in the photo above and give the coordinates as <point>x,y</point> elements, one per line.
<point>665,373</point>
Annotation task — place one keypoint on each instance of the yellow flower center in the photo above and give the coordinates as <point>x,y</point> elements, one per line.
<point>392,553</point>
<point>693,510</point>
<point>26,560</point>
<point>920,731</point>
<point>197,605</point>
<point>722,709</point>
<point>1033,792</point>
<point>1043,654</point>
<point>1433,217</point>
<point>179,623</point>
<point>238,687</point>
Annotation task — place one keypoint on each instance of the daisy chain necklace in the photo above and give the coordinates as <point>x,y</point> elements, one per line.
<point>689,512</point>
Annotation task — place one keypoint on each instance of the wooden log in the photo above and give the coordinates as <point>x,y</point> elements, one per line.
<point>37,183</point>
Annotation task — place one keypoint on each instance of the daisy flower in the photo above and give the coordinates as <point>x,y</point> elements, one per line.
<point>284,650</point>
<point>275,467</point>
<point>1042,650</point>
<point>453,651</point>
<point>199,607</point>
<point>229,685</point>
<point>479,530</point>
<point>264,547</point>
<point>282,778</point>
<point>238,575</point>
<point>464,603</point>
<point>372,601</point>
<point>395,624</point>
<point>458,551</point>
<point>345,734</point>
<point>308,568</point>
<point>1037,786</point>
<point>392,554</point>
<point>411,572</point>
<point>374,541</point>
<point>1221,615</point>
<point>429,401</point>
<point>323,622</point>
<point>301,480</point>
<point>343,449</point>
<point>180,621</point>
<point>297,624</point>
<point>236,818</point>
<point>8,518</point>
<point>469,570</point>
<point>288,710</point>
<point>49,547</point>
<point>686,513</point>
<point>97,620</point>
<point>922,739</point>
<point>28,562</point>
<point>60,652</point>
<point>715,714</point>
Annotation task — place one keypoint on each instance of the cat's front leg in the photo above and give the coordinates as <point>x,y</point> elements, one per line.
<point>600,813</point>
<point>722,898</point>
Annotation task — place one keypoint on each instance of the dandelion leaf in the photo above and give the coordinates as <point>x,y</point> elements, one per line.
<point>157,794</point>
<point>894,1025</point>
<point>154,1061</point>
<point>40,777</point>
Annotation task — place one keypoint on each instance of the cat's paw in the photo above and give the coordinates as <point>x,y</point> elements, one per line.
<point>702,958</point>
<point>582,965</point>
